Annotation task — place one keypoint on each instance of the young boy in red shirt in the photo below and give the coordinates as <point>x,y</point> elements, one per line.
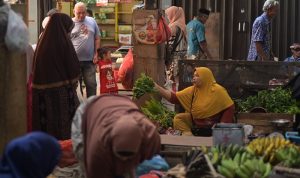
<point>108,83</point>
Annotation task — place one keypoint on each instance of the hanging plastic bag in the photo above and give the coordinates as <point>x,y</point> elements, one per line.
<point>16,38</point>
<point>125,74</point>
<point>163,31</point>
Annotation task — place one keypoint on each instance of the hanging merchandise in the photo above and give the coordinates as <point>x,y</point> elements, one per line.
<point>17,35</point>
<point>125,39</point>
<point>145,27</point>
<point>101,2</point>
<point>150,27</point>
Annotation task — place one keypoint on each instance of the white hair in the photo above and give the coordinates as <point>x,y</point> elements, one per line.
<point>269,4</point>
<point>79,4</point>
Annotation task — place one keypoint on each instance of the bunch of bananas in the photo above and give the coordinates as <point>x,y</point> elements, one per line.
<point>219,152</point>
<point>196,164</point>
<point>266,147</point>
<point>243,167</point>
<point>288,156</point>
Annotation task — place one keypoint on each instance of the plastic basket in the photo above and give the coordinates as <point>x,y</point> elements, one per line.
<point>293,137</point>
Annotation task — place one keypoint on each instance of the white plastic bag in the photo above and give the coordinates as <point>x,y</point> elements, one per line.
<point>16,38</point>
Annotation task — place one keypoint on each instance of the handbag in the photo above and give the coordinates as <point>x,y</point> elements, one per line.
<point>199,131</point>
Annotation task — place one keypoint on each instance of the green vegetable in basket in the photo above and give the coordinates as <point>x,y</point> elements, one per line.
<point>143,85</point>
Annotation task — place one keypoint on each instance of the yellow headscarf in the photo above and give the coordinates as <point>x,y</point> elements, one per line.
<point>209,99</point>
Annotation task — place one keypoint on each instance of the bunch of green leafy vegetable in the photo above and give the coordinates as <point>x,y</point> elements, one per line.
<point>158,113</point>
<point>278,100</point>
<point>143,85</point>
<point>87,1</point>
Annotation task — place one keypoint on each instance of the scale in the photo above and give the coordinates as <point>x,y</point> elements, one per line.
<point>280,125</point>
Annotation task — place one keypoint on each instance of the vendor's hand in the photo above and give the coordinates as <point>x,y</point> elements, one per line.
<point>156,86</point>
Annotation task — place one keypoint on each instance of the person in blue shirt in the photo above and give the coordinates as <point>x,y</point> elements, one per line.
<point>295,49</point>
<point>260,46</point>
<point>197,46</point>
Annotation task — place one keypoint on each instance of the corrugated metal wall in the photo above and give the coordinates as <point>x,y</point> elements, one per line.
<point>285,27</point>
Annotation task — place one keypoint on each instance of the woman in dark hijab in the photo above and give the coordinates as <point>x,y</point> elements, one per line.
<point>31,156</point>
<point>55,75</point>
<point>111,136</point>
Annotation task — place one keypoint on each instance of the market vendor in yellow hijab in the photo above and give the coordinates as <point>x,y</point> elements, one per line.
<point>205,103</point>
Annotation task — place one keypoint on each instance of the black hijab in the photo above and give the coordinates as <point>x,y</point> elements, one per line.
<point>55,61</point>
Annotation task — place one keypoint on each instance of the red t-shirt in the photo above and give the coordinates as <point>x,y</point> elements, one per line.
<point>108,83</point>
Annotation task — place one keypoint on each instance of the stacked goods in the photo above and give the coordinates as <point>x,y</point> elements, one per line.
<point>288,157</point>
<point>158,113</point>
<point>143,85</point>
<point>267,147</point>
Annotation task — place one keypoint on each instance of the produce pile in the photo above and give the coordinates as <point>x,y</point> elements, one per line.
<point>158,113</point>
<point>288,157</point>
<point>253,161</point>
<point>278,100</point>
<point>196,164</point>
<point>267,147</point>
<point>143,85</point>
<point>234,161</point>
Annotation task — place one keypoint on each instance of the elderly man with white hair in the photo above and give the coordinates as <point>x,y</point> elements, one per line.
<point>260,46</point>
<point>85,37</point>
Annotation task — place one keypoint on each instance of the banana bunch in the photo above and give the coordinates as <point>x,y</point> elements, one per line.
<point>288,156</point>
<point>266,147</point>
<point>196,164</point>
<point>219,152</point>
<point>243,167</point>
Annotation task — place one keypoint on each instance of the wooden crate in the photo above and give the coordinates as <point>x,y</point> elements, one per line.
<point>262,121</point>
<point>287,172</point>
<point>174,147</point>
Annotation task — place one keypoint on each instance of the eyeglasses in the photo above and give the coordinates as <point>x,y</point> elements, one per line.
<point>296,49</point>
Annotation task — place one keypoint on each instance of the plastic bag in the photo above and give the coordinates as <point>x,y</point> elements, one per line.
<point>163,31</point>
<point>67,156</point>
<point>156,163</point>
<point>17,36</point>
<point>125,74</point>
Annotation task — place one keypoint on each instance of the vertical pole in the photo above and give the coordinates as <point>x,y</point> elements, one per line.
<point>13,112</point>
<point>13,94</point>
